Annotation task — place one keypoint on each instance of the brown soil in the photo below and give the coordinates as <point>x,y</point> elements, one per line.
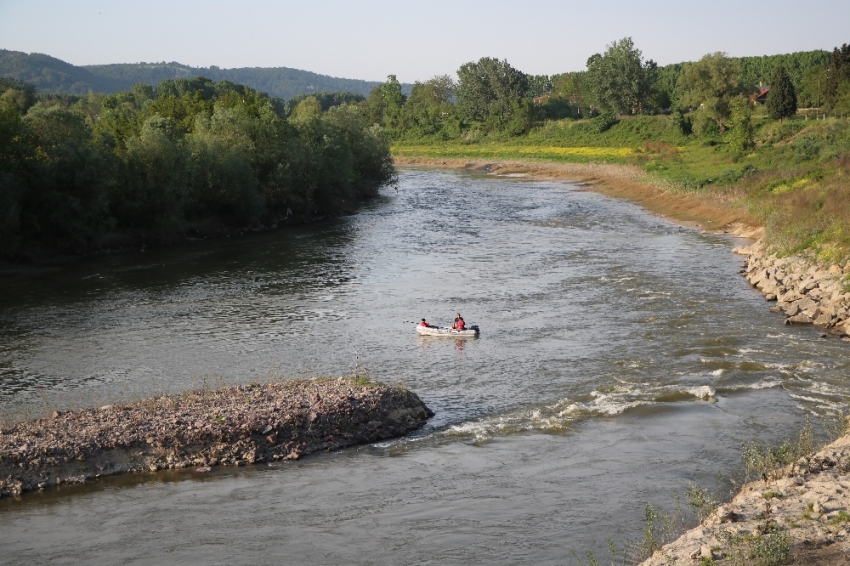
<point>627,182</point>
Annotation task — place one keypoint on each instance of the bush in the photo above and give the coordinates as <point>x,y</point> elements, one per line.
<point>808,146</point>
<point>603,122</point>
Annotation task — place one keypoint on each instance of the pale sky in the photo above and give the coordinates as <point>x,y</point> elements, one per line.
<point>370,39</point>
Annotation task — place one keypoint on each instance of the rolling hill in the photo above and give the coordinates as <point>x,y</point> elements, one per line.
<point>50,74</point>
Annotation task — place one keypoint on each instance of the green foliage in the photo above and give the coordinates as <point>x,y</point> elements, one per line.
<point>429,110</point>
<point>539,85</point>
<point>619,81</point>
<point>489,92</point>
<point>603,122</point>
<point>701,502</point>
<point>149,163</point>
<point>326,100</point>
<point>808,146</point>
<point>710,84</point>
<point>838,74</point>
<point>760,70</point>
<point>782,98</point>
<point>765,463</point>
<point>741,131</point>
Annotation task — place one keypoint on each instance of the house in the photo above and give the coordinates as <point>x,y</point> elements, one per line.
<point>761,96</point>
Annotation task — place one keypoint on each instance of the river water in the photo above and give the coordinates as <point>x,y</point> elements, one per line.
<point>621,357</point>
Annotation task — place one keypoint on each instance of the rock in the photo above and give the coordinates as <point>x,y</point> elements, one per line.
<point>800,318</point>
<point>203,470</point>
<point>835,270</point>
<point>770,297</point>
<point>823,321</point>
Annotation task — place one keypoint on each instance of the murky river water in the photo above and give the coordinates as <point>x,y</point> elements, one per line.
<point>621,357</point>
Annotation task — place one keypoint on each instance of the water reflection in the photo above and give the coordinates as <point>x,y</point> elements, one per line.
<point>619,351</point>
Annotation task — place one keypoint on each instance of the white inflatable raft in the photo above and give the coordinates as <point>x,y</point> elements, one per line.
<point>444,331</point>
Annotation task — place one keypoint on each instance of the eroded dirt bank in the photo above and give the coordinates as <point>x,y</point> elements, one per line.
<point>229,426</point>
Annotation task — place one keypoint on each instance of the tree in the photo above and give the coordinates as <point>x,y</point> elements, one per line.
<point>741,125</point>
<point>393,102</point>
<point>782,98</point>
<point>837,73</point>
<point>710,84</point>
<point>429,110</point>
<point>619,80</point>
<point>489,90</point>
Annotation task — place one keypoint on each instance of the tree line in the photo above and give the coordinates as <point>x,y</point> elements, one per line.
<point>77,172</point>
<point>490,97</point>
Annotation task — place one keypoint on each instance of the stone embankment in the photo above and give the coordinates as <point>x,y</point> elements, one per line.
<point>229,426</point>
<point>806,293</point>
<point>809,503</point>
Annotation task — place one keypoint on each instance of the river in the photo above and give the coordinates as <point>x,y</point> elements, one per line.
<point>621,357</point>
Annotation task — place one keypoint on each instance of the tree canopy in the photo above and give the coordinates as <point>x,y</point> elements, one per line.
<point>490,90</point>
<point>710,84</point>
<point>782,98</point>
<point>151,162</point>
<point>619,80</point>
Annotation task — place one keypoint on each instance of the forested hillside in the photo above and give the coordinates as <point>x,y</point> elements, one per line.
<point>49,74</point>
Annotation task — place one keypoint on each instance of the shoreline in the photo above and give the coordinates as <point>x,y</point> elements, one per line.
<point>810,503</point>
<point>235,426</point>
<point>807,503</point>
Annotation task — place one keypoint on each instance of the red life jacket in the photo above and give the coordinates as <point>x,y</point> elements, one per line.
<point>459,324</point>
<point>423,323</point>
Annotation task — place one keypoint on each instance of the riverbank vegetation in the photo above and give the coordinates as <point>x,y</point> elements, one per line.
<point>152,164</point>
<point>709,128</point>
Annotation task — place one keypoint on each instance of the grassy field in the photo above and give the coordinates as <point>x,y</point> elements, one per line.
<point>794,180</point>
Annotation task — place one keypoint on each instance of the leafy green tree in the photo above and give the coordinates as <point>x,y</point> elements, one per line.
<point>811,91</point>
<point>569,86</point>
<point>327,100</point>
<point>619,80</point>
<point>782,98</point>
<point>393,101</point>
<point>838,72</point>
<point>710,84</point>
<point>489,91</point>
<point>152,162</point>
<point>429,110</point>
<point>308,109</point>
<point>17,93</point>
<point>741,129</point>
<point>539,85</point>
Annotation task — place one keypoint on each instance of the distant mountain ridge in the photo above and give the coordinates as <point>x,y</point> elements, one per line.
<point>50,74</point>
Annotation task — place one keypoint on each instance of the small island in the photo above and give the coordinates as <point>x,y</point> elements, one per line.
<point>233,426</point>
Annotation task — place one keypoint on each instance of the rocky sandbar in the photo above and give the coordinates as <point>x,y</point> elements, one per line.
<point>228,426</point>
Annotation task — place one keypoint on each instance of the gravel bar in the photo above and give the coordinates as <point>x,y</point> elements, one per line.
<point>229,426</point>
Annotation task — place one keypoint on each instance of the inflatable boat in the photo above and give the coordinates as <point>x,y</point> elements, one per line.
<point>444,331</point>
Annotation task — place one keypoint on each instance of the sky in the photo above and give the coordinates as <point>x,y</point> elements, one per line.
<point>415,40</point>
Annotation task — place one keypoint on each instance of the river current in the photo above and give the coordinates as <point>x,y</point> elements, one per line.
<point>621,357</point>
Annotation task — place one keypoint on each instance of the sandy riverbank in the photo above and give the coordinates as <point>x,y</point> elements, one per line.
<point>229,426</point>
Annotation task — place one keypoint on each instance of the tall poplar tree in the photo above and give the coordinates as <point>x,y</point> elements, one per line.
<point>782,98</point>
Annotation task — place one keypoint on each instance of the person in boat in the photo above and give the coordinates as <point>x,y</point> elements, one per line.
<point>459,324</point>
<point>424,324</point>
